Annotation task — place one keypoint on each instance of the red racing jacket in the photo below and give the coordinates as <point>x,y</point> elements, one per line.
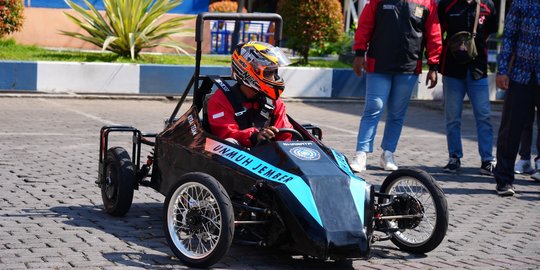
<point>395,32</point>
<point>223,124</point>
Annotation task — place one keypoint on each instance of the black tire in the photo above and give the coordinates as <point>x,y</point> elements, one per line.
<point>185,221</point>
<point>424,184</point>
<point>118,183</point>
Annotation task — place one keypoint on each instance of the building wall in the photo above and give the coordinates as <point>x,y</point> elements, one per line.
<point>42,27</point>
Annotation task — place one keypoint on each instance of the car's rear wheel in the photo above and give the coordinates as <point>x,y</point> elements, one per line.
<point>198,220</point>
<point>118,183</point>
<point>419,195</point>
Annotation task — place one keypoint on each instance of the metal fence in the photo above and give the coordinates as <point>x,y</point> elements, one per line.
<point>222,31</point>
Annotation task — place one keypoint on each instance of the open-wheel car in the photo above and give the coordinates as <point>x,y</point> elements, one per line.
<point>299,195</point>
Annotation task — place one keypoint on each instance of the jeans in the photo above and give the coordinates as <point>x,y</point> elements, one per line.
<point>478,92</point>
<point>385,90</point>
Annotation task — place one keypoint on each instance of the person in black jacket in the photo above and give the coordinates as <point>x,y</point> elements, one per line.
<point>389,44</point>
<point>467,78</point>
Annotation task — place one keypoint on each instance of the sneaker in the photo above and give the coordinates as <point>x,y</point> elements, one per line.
<point>487,167</point>
<point>505,190</point>
<point>536,175</point>
<point>387,161</point>
<point>359,162</point>
<point>453,164</point>
<point>523,166</point>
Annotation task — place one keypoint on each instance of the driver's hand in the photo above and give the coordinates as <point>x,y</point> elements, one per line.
<point>267,133</point>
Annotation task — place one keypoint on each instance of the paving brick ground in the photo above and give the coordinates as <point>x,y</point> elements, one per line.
<point>51,213</point>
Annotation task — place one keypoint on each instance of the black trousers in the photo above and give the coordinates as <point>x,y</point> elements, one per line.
<point>519,100</point>
<point>526,135</point>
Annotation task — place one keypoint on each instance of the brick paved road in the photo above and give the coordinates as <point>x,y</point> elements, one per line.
<point>51,211</point>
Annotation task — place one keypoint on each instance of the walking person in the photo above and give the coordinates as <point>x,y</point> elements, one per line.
<point>520,41</point>
<point>523,165</point>
<point>389,43</point>
<point>463,73</point>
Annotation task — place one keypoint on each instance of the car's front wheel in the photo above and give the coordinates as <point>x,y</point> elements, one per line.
<point>198,220</point>
<point>417,195</point>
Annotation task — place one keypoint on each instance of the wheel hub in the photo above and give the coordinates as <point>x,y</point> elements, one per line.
<point>194,220</point>
<point>408,205</point>
<point>110,188</point>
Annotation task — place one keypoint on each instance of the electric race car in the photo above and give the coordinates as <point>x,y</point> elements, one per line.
<point>299,195</point>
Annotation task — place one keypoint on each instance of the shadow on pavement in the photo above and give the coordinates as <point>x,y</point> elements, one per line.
<point>142,229</point>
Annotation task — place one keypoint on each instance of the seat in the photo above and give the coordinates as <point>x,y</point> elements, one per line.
<point>205,123</point>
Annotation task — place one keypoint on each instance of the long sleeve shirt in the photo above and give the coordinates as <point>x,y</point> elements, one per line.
<point>521,41</point>
<point>223,123</point>
<point>394,34</point>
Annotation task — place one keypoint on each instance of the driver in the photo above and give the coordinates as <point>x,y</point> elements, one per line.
<point>251,111</point>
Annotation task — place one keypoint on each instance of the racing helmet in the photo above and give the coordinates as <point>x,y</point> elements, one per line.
<point>255,64</point>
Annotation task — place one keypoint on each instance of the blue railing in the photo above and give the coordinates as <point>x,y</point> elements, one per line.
<point>221,34</point>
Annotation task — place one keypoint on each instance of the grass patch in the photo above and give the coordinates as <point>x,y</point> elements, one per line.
<point>10,50</point>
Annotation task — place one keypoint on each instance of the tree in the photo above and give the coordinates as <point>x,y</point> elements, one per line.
<point>310,22</point>
<point>130,26</point>
<point>11,16</point>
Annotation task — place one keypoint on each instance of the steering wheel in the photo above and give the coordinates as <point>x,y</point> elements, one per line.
<point>296,136</point>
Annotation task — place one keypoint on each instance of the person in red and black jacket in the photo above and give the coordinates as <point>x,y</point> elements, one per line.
<point>251,111</point>
<point>463,75</point>
<point>389,42</point>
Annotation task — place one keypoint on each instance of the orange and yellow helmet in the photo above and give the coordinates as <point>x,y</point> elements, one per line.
<point>255,64</point>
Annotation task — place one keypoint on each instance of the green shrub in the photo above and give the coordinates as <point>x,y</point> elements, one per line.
<point>130,26</point>
<point>11,16</point>
<point>308,23</point>
<point>342,46</point>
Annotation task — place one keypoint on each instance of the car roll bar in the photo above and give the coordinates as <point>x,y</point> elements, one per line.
<point>199,37</point>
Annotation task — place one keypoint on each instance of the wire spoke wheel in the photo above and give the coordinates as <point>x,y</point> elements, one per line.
<point>199,220</point>
<point>419,196</point>
<point>423,205</point>
<point>196,220</point>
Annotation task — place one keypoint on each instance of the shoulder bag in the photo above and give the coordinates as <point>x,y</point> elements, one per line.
<point>462,45</point>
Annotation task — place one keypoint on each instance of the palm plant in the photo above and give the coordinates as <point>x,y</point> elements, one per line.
<point>131,25</point>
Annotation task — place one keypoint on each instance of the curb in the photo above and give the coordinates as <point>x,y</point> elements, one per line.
<point>170,80</point>
<point>147,79</point>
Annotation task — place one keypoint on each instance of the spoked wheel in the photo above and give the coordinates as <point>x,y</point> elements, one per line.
<point>118,183</point>
<point>418,196</point>
<point>198,220</point>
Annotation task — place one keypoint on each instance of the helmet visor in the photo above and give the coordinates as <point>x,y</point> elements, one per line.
<point>278,56</point>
